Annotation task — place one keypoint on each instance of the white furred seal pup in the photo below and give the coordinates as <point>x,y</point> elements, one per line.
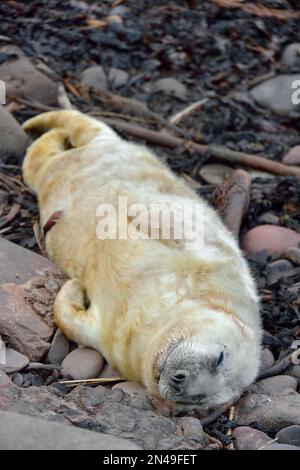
<point>183,322</point>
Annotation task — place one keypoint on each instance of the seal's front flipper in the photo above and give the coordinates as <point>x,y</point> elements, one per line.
<point>74,316</point>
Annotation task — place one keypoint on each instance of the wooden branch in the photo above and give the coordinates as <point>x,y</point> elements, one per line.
<point>166,140</point>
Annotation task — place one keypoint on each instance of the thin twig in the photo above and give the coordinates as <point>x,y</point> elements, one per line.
<point>212,417</point>
<point>277,368</point>
<point>74,383</point>
<point>187,111</point>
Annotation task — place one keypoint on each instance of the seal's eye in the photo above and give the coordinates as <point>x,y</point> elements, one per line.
<point>220,360</point>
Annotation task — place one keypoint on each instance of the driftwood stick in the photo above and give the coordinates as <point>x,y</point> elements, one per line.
<point>166,140</point>
<point>222,153</point>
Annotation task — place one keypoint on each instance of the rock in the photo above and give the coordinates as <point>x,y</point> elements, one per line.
<point>18,265</point>
<point>280,447</point>
<point>270,411</point>
<point>14,361</point>
<point>232,199</point>
<point>13,139</point>
<point>94,78</point>
<point>268,218</point>
<point>247,438</point>
<point>293,156</point>
<point>291,55</point>
<point>279,269</point>
<point>23,79</point>
<point>59,348</point>
<point>17,379</point>
<point>170,87</point>
<point>19,432</point>
<point>214,173</point>
<point>293,254</point>
<point>117,77</point>
<point>275,240</point>
<point>276,94</point>
<point>295,289</point>
<point>266,359</point>
<point>130,388</point>
<point>192,430</point>
<point>289,435</point>
<point>108,371</point>
<point>278,383</point>
<point>294,371</point>
<point>82,363</point>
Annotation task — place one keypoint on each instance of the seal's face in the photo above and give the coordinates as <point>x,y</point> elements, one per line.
<point>210,368</point>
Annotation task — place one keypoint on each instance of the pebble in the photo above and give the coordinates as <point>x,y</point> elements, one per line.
<point>117,77</point>
<point>82,363</point>
<point>13,361</point>
<point>266,359</point>
<point>13,139</point>
<point>276,94</point>
<point>275,240</point>
<point>23,79</point>
<point>59,348</point>
<point>17,379</point>
<point>108,371</point>
<point>278,383</point>
<point>291,55</point>
<point>130,388</point>
<point>214,173</point>
<point>292,157</point>
<point>294,371</point>
<point>279,269</point>
<point>268,218</point>
<point>247,438</point>
<point>170,87</point>
<point>94,78</point>
<point>289,435</point>
<point>280,447</point>
<point>293,254</point>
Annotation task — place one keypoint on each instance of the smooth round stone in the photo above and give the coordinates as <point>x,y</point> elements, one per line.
<point>59,349</point>
<point>215,173</point>
<point>277,270</point>
<point>247,438</point>
<point>268,218</point>
<point>171,87</point>
<point>130,388</point>
<point>280,447</point>
<point>82,363</point>
<point>275,240</point>
<point>117,77</point>
<point>95,78</point>
<point>291,55</point>
<point>293,156</point>
<point>14,361</point>
<point>17,379</point>
<point>289,435</point>
<point>293,255</point>
<point>109,372</point>
<point>278,383</point>
<point>266,359</point>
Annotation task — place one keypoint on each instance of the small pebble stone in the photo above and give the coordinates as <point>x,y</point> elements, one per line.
<point>14,361</point>
<point>266,359</point>
<point>215,173</point>
<point>94,78</point>
<point>59,348</point>
<point>277,270</point>
<point>130,388</point>
<point>289,435</point>
<point>275,240</point>
<point>268,218</point>
<point>247,438</point>
<point>293,254</point>
<point>280,447</point>
<point>82,363</point>
<point>293,156</point>
<point>278,383</point>
<point>117,77</point>
<point>17,379</point>
<point>171,87</point>
<point>291,55</point>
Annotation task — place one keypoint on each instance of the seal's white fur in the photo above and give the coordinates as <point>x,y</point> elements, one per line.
<point>155,307</point>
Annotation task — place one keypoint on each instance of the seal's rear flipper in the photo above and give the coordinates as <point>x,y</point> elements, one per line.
<point>80,128</point>
<point>74,317</point>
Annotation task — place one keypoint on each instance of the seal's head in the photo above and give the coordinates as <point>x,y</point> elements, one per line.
<point>211,365</point>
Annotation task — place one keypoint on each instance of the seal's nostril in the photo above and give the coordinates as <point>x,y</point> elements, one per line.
<point>178,378</point>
